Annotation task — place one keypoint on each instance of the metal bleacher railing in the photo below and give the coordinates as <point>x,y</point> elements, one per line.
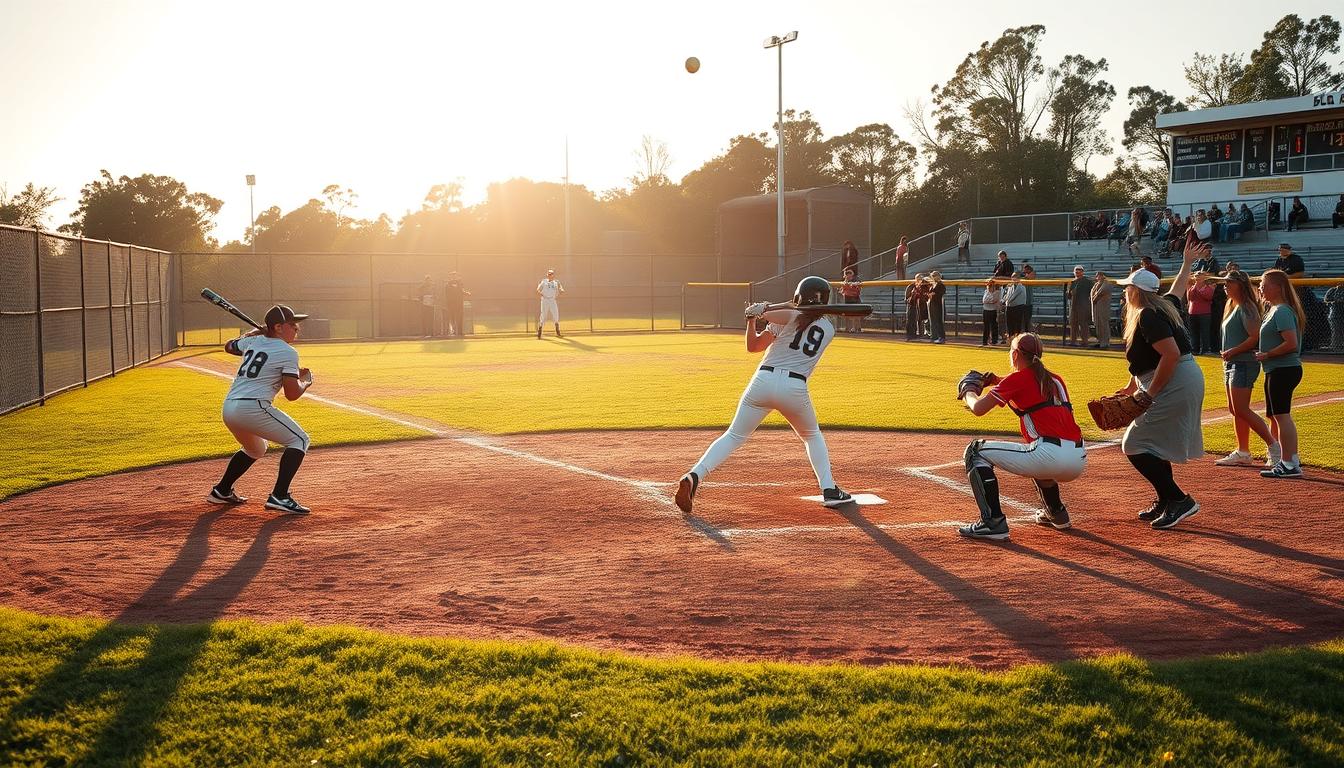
<point>74,310</point>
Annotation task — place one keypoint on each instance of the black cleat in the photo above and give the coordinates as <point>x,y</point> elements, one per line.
<point>216,497</point>
<point>995,530</point>
<point>287,505</point>
<point>690,482</point>
<point>1150,514</point>
<point>1176,512</point>
<point>1055,518</point>
<point>834,497</point>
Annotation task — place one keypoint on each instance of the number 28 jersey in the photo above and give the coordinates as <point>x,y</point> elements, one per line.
<point>265,362</point>
<point>797,348</point>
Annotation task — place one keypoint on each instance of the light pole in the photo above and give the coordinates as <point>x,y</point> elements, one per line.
<point>251,213</point>
<point>778,42</point>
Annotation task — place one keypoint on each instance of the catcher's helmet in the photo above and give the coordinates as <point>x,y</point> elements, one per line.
<point>812,290</point>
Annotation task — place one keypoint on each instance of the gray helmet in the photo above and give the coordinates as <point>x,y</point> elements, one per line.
<point>812,290</point>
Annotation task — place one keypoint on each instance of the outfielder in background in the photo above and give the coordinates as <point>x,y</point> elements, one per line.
<point>269,365</point>
<point>1052,451</point>
<point>548,290</point>
<point>779,384</point>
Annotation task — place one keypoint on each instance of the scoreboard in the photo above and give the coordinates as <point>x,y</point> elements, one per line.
<point>1257,152</point>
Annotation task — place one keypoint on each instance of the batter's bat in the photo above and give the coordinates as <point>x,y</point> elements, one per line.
<point>223,303</point>
<point>785,311</point>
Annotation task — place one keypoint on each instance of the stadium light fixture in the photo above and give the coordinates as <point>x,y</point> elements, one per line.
<point>778,43</point>
<point>252,213</point>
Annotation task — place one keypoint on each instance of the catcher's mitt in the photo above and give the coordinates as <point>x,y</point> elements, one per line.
<point>1117,411</point>
<point>975,381</point>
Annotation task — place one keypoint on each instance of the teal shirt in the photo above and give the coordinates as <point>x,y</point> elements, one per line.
<point>1278,319</point>
<point>1234,333</point>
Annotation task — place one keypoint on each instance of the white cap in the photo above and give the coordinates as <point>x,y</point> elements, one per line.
<point>1143,280</point>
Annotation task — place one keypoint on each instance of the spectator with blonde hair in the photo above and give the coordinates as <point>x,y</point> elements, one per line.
<point>1280,349</point>
<point>1241,337</point>
<point>1163,372</point>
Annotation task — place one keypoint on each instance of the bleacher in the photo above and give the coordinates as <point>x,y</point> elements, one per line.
<point>1322,248</point>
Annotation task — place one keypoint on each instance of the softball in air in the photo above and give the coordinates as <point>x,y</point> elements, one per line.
<point>692,65</point>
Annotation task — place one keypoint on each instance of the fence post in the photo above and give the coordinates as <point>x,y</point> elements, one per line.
<point>956,311</point>
<point>83,321</point>
<point>149,340</point>
<point>652,309</point>
<point>130,304</point>
<point>892,294</point>
<point>1068,310</point>
<point>373,303</point>
<point>111,327</point>
<point>683,306</point>
<point>590,294</point>
<point>41,355</point>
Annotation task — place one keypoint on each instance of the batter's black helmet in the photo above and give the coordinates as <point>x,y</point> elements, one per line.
<point>812,290</point>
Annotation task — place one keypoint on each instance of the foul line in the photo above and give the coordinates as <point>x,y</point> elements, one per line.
<point>647,490</point>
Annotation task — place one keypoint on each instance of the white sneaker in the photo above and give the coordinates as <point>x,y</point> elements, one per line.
<point>1275,456</point>
<point>1236,459</point>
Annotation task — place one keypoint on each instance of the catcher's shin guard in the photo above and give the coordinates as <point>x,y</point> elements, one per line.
<point>1049,494</point>
<point>984,484</point>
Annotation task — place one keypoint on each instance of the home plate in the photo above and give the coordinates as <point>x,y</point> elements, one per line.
<point>862,499</point>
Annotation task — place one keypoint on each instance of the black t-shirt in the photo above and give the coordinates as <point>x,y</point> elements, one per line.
<point>1153,327</point>
<point>1004,268</point>
<point>454,292</point>
<point>1293,264</point>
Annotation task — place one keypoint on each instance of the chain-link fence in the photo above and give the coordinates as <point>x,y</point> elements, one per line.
<point>1051,313</point>
<point>74,310</point>
<point>383,295</point>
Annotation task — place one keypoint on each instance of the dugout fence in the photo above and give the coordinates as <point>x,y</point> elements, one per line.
<point>378,295</point>
<point>75,310</point>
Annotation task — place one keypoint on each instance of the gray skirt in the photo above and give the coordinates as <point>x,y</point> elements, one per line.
<point>1170,429</point>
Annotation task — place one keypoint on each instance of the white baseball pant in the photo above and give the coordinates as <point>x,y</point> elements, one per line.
<point>550,308</point>
<point>1038,459</point>
<point>772,391</point>
<point>256,422</point>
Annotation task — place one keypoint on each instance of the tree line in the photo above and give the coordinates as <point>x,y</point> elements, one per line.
<point>1005,134</point>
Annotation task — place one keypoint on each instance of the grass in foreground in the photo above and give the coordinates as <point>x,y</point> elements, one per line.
<point>144,417</point>
<point>235,692</point>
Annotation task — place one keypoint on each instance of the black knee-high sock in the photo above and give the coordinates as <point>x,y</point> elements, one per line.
<point>1158,472</point>
<point>289,466</point>
<point>1050,495</point>
<point>237,466</point>
<point>990,485</point>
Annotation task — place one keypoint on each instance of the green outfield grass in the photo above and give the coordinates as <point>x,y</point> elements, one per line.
<point>85,692</point>
<point>148,416</point>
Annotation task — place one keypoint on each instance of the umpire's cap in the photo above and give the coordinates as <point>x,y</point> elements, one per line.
<point>282,314</point>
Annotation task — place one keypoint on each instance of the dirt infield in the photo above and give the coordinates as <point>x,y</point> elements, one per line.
<point>573,537</point>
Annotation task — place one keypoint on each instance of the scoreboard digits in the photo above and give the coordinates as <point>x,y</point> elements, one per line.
<point>1255,152</point>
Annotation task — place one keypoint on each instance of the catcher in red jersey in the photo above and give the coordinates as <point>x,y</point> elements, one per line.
<point>1052,448</point>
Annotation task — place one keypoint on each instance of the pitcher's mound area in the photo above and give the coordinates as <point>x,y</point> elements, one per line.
<point>573,537</point>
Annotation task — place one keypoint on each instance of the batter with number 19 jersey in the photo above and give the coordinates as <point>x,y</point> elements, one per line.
<point>779,384</point>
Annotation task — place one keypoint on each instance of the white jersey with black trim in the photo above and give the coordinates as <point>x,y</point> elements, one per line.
<point>266,361</point>
<point>550,288</point>
<point>797,348</point>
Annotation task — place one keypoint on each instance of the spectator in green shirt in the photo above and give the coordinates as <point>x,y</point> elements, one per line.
<point>1280,348</point>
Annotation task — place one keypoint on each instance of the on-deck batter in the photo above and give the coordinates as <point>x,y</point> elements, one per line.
<point>780,384</point>
<point>548,290</point>
<point>269,365</point>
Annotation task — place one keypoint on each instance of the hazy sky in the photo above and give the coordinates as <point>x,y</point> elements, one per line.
<point>392,97</point>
